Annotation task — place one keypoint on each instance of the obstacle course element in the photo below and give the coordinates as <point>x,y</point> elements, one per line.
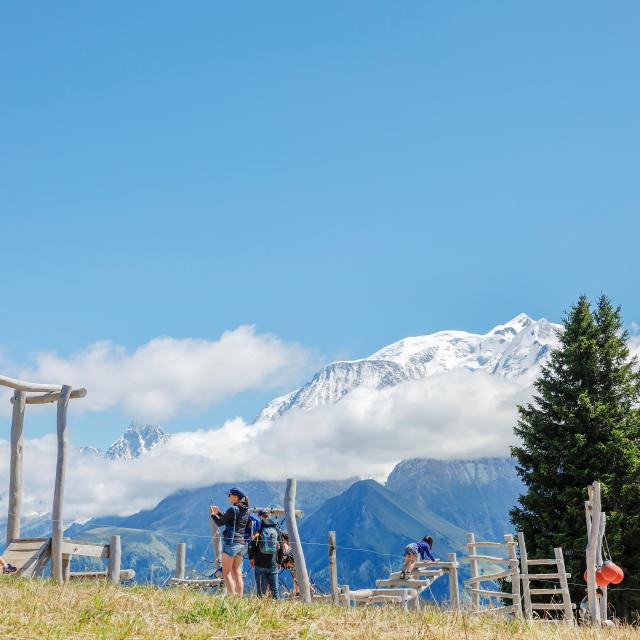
<point>29,555</point>
<point>474,584</point>
<point>563,606</point>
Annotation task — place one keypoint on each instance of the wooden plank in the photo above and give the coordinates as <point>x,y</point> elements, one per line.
<point>125,574</point>
<point>88,549</point>
<point>15,466</point>
<point>548,592</point>
<point>57,523</point>
<point>333,568</point>
<point>488,558</point>
<point>546,576</point>
<point>48,398</point>
<point>294,539</point>
<point>547,561</point>
<point>492,594</point>
<point>495,545</point>
<point>26,547</point>
<point>30,562</point>
<point>490,577</point>
<point>23,385</point>
<point>548,606</point>
<point>413,584</point>
<point>115,558</point>
<point>508,609</point>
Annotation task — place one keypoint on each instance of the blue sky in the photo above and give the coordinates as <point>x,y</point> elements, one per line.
<point>340,175</point>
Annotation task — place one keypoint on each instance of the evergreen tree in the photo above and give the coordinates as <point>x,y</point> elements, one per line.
<point>584,425</point>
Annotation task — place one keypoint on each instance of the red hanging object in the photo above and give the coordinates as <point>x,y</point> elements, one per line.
<point>601,581</point>
<point>613,573</point>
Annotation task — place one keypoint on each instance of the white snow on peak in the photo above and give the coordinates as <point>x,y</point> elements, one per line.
<point>516,348</point>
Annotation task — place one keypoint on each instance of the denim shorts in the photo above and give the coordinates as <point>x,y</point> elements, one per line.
<point>411,550</point>
<point>234,550</point>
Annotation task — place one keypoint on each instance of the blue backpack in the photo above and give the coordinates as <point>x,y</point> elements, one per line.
<point>254,525</point>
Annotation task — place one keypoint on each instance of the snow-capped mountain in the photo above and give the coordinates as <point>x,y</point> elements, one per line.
<point>512,350</point>
<point>136,440</point>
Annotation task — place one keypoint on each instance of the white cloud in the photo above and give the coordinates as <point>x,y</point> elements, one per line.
<point>454,415</point>
<point>167,375</point>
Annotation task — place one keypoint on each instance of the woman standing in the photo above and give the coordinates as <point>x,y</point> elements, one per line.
<point>234,543</point>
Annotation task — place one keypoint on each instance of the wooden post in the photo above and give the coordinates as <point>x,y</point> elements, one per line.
<point>333,567</point>
<point>294,538</point>
<point>595,508</point>
<point>15,472</point>
<point>216,545</point>
<point>346,595</point>
<point>66,567</point>
<point>181,560</point>
<point>454,595</point>
<point>564,585</point>
<point>524,571</point>
<point>57,524</point>
<point>471,546</point>
<point>404,599</point>
<point>515,576</point>
<point>115,559</point>
<point>599,562</point>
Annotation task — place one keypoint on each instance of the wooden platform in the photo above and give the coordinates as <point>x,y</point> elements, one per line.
<point>28,555</point>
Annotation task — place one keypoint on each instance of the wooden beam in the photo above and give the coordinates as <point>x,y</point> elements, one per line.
<point>57,524</point>
<point>524,571</point>
<point>199,582</point>
<point>452,569</point>
<point>294,538</point>
<point>15,469</point>
<point>471,546</point>
<point>22,385</point>
<point>87,549</point>
<point>333,568</point>
<point>125,574</point>
<point>115,559</point>
<point>594,510</point>
<point>181,560</point>
<point>54,397</point>
<point>515,579</point>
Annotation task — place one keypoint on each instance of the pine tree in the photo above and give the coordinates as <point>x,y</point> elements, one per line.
<point>584,425</point>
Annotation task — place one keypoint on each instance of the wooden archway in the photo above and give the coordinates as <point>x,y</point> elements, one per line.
<point>45,393</point>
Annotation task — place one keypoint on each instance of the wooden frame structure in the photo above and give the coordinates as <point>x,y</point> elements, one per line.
<point>560,573</point>
<point>596,520</point>
<point>473,584</point>
<point>46,393</point>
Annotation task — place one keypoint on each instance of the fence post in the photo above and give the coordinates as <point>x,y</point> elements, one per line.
<point>15,468</point>
<point>346,595</point>
<point>294,538</point>
<point>181,559</point>
<point>524,569</point>
<point>454,595</point>
<point>333,567</point>
<point>515,575</point>
<point>471,546</point>
<point>115,559</point>
<point>594,508</point>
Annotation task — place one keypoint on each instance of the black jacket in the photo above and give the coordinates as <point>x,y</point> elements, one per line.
<point>265,560</point>
<point>235,521</point>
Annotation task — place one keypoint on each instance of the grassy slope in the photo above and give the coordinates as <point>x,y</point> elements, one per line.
<point>41,609</point>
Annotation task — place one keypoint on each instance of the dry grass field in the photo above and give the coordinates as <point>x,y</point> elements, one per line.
<point>44,610</point>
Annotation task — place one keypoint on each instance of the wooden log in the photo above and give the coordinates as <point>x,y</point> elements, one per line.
<point>345,595</point>
<point>491,593</point>
<point>493,559</point>
<point>546,561</point>
<point>546,576</point>
<point>22,385</point>
<point>66,567</point>
<point>421,585</point>
<point>57,524</point>
<point>548,592</point>
<point>294,538</point>
<point>471,545</point>
<point>595,509</point>
<point>495,545</point>
<point>524,571</point>
<point>115,559</point>
<point>48,398</point>
<point>216,545</point>
<point>454,593</point>
<point>405,600</point>
<point>489,577</point>
<point>333,568</point>
<point>515,578</point>
<point>181,559</point>
<point>548,606</point>
<point>564,586</point>
<point>15,467</point>
<point>125,574</point>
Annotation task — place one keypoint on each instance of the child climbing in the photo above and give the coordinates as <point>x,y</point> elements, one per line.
<point>234,543</point>
<point>415,550</point>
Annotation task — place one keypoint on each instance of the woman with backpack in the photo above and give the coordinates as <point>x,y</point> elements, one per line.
<point>415,550</point>
<point>265,554</point>
<point>234,542</point>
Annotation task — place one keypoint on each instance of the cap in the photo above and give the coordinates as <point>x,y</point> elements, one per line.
<point>264,512</point>
<point>234,491</point>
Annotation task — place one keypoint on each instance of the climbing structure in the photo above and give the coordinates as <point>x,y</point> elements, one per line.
<point>30,555</point>
<point>511,571</point>
<point>560,598</point>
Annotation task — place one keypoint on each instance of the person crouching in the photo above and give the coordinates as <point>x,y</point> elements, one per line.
<point>415,550</point>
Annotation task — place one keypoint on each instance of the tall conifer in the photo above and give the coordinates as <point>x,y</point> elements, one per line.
<point>584,425</point>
